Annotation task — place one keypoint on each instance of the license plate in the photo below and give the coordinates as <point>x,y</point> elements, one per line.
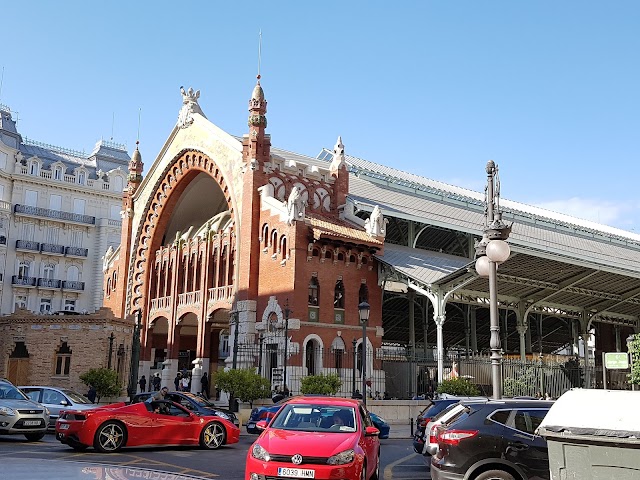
<point>64,426</point>
<point>296,472</point>
<point>31,423</point>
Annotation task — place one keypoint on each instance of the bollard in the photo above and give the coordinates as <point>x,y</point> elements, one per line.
<point>411,422</point>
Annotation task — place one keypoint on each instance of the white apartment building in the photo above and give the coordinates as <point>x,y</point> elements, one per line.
<point>59,213</point>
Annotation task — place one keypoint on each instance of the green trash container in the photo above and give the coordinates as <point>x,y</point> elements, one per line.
<point>594,435</point>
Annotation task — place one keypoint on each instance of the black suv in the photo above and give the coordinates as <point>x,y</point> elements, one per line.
<point>493,440</point>
<point>195,403</point>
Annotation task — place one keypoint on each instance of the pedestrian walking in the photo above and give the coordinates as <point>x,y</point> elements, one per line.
<point>205,385</point>
<point>156,382</point>
<point>143,384</point>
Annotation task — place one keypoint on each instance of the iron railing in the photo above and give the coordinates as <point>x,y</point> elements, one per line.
<point>51,248</point>
<point>57,214</point>
<point>27,245</point>
<point>23,281</point>
<point>76,251</point>
<point>393,372</point>
<point>72,285</point>
<point>49,283</point>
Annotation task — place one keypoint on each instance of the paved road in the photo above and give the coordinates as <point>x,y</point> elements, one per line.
<point>398,461</point>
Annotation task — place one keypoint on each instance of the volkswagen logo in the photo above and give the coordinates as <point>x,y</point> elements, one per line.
<point>32,411</point>
<point>297,459</point>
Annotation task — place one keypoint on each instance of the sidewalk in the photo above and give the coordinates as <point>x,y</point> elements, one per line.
<point>400,430</point>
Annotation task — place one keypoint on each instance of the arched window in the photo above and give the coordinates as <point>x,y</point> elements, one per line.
<point>363,294</point>
<point>265,235</point>
<point>34,168</point>
<point>63,360</point>
<point>118,183</point>
<point>274,242</point>
<point>273,322</point>
<point>314,291</point>
<point>108,287</point>
<point>57,173</point>
<point>310,357</point>
<point>337,347</point>
<point>338,295</point>
<point>283,247</point>
<point>82,176</point>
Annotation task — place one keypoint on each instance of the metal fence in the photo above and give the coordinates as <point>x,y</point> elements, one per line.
<point>397,374</point>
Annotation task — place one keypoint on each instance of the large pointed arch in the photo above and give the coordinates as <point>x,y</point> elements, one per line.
<point>166,193</point>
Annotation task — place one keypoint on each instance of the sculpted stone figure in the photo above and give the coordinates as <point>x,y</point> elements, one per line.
<point>189,106</point>
<point>295,206</point>
<point>376,224</point>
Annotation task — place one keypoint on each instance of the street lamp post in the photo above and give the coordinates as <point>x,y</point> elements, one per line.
<point>491,251</point>
<point>235,319</point>
<point>364,309</point>
<point>353,376</point>
<point>287,312</point>
<point>111,338</point>
<point>260,340</point>
<point>135,356</point>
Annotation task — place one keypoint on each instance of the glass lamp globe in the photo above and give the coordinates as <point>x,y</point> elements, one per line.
<point>482,266</point>
<point>498,251</point>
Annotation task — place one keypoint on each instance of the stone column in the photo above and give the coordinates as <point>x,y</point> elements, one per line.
<point>474,333</point>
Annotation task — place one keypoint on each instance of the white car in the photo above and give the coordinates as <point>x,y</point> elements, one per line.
<point>56,399</point>
<point>19,415</point>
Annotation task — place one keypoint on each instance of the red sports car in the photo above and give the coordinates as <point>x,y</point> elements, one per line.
<point>316,437</point>
<point>114,426</point>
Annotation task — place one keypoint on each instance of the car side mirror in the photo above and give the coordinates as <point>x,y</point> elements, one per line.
<point>371,432</point>
<point>64,403</point>
<point>262,424</point>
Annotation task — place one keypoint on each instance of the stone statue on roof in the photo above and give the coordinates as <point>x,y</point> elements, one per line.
<point>295,205</point>
<point>189,107</point>
<point>376,224</point>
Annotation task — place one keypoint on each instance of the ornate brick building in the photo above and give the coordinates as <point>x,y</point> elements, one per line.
<point>227,241</point>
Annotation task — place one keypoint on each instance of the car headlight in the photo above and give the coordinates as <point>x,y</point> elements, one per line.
<point>341,458</point>
<point>10,412</point>
<point>47,412</point>
<point>222,415</point>
<point>260,453</point>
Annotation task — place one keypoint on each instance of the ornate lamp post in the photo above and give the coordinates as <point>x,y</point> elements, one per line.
<point>353,376</point>
<point>234,316</point>
<point>287,312</point>
<point>364,309</point>
<point>135,356</point>
<point>491,251</point>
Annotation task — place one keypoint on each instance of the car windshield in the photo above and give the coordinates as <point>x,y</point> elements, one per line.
<point>198,400</point>
<point>316,418</point>
<point>76,397</point>
<point>9,392</point>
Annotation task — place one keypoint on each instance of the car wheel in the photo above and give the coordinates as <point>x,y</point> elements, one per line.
<point>110,437</point>
<point>213,436</point>
<point>34,437</point>
<point>495,475</point>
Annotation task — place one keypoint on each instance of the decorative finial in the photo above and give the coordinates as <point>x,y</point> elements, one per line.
<point>259,54</point>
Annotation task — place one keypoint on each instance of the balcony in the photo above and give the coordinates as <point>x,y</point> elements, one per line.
<point>76,252</point>
<point>28,245</point>
<point>51,249</point>
<point>28,282</point>
<point>55,214</point>
<point>49,283</point>
<point>72,285</point>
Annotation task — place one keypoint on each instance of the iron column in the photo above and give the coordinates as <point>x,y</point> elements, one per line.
<point>287,312</point>
<point>135,356</point>
<point>364,309</point>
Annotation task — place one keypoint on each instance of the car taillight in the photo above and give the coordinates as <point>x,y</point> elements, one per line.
<point>433,434</point>
<point>453,437</point>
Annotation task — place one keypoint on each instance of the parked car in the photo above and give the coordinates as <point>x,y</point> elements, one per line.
<point>56,399</point>
<point>20,415</point>
<point>432,408</point>
<point>195,403</point>
<point>316,437</point>
<point>495,439</point>
<point>381,424</point>
<point>111,427</point>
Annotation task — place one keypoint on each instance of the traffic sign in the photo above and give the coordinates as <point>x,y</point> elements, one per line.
<point>616,360</point>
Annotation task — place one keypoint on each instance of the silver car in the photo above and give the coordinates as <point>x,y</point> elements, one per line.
<point>56,399</point>
<point>20,415</point>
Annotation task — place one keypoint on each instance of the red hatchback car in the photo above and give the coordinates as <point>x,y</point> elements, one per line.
<point>316,437</point>
<point>114,426</point>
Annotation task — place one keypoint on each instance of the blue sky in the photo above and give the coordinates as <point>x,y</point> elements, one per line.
<point>547,89</point>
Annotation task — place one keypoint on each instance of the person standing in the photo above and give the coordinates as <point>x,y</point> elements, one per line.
<point>143,384</point>
<point>91,395</point>
<point>205,385</point>
<point>176,381</point>
<point>156,383</point>
<point>185,383</point>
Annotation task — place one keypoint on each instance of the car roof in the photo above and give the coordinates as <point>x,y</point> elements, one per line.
<point>510,402</point>
<point>324,400</point>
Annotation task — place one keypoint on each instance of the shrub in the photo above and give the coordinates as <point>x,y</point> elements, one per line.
<point>244,384</point>
<point>321,384</point>
<point>634,349</point>
<point>458,386</point>
<point>104,380</point>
